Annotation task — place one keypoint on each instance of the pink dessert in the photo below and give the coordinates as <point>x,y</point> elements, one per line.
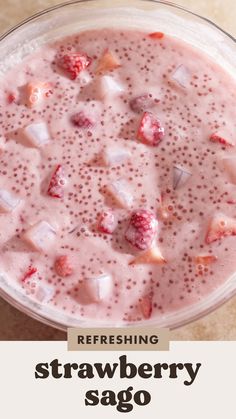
<point>118,175</point>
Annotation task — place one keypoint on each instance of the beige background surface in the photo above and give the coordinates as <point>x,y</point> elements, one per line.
<point>220,325</point>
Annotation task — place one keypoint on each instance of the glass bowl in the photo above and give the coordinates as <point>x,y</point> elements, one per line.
<point>75,16</point>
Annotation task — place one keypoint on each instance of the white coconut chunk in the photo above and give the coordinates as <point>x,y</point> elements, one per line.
<point>99,288</point>
<point>37,134</point>
<point>44,293</point>
<point>229,164</point>
<point>119,190</point>
<point>113,156</point>
<point>182,76</point>
<point>109,87</point>
<point>180,177</point>
<point>41,236</point>
<point>8,202</point>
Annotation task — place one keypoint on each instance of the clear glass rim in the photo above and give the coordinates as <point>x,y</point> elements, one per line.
<point>63,325</point>
<point>73,2</point>
<point>46,319</point>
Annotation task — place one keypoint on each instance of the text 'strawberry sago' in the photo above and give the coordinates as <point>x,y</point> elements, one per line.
<point>118,175</point>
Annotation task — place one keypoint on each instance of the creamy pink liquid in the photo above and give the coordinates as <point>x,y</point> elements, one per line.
<point>190,112</point>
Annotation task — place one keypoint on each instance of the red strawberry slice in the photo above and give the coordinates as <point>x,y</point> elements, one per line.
<point>141,103</point>
<point>205,259</point>
<point>146,306</point>
<point>220,226</point>
<point>107,222</point>
<point>74,63</point>
<point>29,273</point>
<point>63,266</point>
<point>57,183</point>
<point>81,120</point>
<point>11,98</point>
<point>231,201</point>
<point>156,35</point>
<point>218,138</point>
<point>142,229</point>
<point>150,130</point>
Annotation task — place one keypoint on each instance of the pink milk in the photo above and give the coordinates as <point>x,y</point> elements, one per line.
<point>96,128</point>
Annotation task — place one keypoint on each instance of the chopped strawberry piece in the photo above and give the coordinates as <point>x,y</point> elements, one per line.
<point>74,63</point>
<point>220,226</point>
<point>35,92</point>
<point>205,259</point>
<point>81,120</point>
<point>231,201</point>
<point>11,98</point>
<point>63,266</point>
<point>141,103</point>
<point>107,222</point>
<point>29,273</point>
<point>156,35</point>
<point>217,138</point>
<point>57,183</point>
<point>146,306</point>
<point>150,130</point>
<point>150,256</point>
<point>107,63</point>
<point>142,229</point>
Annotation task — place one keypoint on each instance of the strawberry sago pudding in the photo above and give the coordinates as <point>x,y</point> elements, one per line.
<point>118,175</point>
